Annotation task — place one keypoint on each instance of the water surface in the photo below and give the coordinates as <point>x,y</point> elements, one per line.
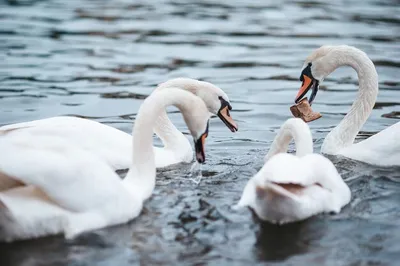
<point>99,59</point>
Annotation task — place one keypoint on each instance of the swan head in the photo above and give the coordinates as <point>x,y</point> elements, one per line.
<point>316,67</point>
<point>289,188</point>
<point>216,100</point>
<point>199,145</point>
<point>197,119</point>
<point>323,61</point>
<point>217,103</point>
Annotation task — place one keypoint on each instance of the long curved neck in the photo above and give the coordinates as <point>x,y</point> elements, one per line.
<point>296,129</point>
<point>141,176</point>
<point>170,136</point>
<point>344,134</point>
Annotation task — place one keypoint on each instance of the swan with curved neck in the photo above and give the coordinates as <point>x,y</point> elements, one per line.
<point>70,190</point>
<point>380,149</point>
<point>176,146</point>
<point>114,145</point>
<point>289,187</point>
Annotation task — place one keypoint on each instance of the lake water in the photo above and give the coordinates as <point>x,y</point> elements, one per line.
<point>99,59</point>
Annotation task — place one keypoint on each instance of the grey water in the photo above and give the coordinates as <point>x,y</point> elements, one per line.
<point>100,59</point>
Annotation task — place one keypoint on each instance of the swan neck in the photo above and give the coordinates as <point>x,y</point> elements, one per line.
<point>141,176</point>
<point>170,136</point>
<point>293,129</point>
<point>344,134</point>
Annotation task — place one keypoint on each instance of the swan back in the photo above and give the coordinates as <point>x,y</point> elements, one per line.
<point>289,188</point>
<point>109,143</point>
<point>381,149</point>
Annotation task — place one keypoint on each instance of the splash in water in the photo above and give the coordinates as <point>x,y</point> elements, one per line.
<point>195,173</point>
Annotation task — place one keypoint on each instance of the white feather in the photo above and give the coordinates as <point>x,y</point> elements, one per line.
<point>68,189</point>
<point>381,149</point>
<point>115,146</point>
<point>290,188</point>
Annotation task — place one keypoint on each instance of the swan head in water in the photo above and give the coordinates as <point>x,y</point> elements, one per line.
<point>198,123</point>
<point>199,144</point>
<point>216,99</point>
<point>290,188</point>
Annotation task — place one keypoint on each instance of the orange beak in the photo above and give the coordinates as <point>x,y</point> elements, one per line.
<point>304,88</point>
<point>203,142</point>
<point>200,148</point>
<point>224,115</point>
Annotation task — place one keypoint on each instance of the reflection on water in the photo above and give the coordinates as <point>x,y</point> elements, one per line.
<point>100,59</point>
<point>278,243</point>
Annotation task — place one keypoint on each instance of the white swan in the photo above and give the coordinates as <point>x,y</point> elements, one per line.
<point>115,146</point>
<point>70,190</point>
<point>382,148</point>
<point>290,188</point>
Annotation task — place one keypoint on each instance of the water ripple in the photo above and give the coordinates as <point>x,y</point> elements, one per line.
<point>100,59</point>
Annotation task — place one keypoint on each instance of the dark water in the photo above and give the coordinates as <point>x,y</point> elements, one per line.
<point>99,59</point>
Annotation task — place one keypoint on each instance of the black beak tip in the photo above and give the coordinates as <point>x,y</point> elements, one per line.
<point>200,158</point>
<point>314,92</point>
<point>233,128</point>
<point>200,155</point>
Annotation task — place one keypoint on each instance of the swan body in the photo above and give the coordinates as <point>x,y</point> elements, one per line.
<point>111,144</point>
<point>385,144</point>
<point>381,149</point>
<point>290,187</point>
<point>115,146</point>
<point>68,189</point>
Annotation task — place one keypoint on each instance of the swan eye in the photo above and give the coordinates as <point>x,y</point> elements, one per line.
<point>306,71</point>
<point>224,103</point>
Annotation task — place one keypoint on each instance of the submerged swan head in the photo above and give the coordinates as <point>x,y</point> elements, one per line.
<point>290,188</point>
<point>198,125</point>
<point>216,100</point>
<point>141,177</point>
<point>193,109</point>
